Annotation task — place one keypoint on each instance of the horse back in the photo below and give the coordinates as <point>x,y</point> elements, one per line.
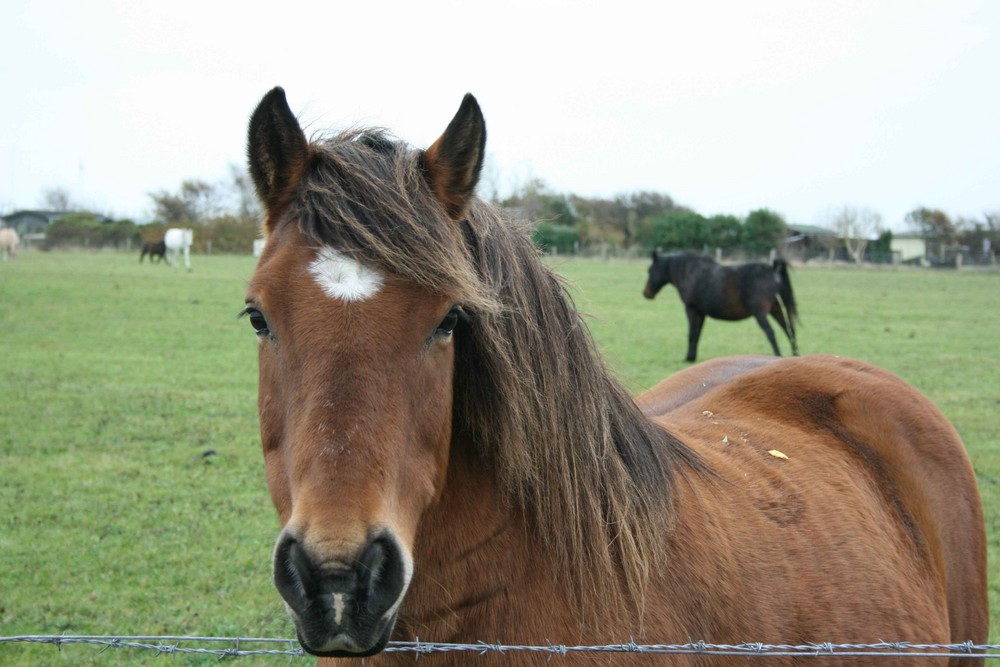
<point>714,290</point>
<point>859,483</point>
<point>727,292</point>
<point>758,284</point>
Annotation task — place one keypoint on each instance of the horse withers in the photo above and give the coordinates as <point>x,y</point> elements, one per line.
<point>708,289</point>
<point>9,242</point>
<point>157,250</point>
<point>451,460</point>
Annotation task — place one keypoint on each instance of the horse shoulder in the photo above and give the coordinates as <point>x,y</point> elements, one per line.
<point>695,281</point>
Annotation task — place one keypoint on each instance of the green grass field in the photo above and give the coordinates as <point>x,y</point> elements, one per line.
<point>116,376</point>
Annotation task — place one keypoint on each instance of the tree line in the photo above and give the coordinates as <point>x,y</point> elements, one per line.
<point>226,217</point>
<point>651,220</point>
<point>648,220</point>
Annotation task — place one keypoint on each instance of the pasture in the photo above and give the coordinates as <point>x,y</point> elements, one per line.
<point>116,378</point>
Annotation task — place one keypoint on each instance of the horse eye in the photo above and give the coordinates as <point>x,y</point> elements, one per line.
<point>449,322</point>
<point>257,321</point>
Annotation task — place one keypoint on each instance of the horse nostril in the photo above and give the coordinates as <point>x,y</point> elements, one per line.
<point>382,575</point>
<point>293,572</point>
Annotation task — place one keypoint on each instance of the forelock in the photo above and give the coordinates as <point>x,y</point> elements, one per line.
<point>364,194</point>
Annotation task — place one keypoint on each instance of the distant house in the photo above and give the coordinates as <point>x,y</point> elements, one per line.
<point>30,223</point>
<point>806,242</point>
<point>909,247</point>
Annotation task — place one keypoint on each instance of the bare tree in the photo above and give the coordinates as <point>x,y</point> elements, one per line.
<point>606,219</point>
<point>992,242</point>
<point>57,199</point>
<point>858,226</point>
<point>246,205</point>
<point>992,229</point>
<point>932,223</point>
<point>193,204</point>
<point>489,180</point>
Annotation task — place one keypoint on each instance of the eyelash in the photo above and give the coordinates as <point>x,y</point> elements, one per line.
<point>257,321</point>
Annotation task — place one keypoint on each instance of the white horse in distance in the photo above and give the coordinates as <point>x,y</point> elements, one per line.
<point>9,242</point>
<point>179,241</point>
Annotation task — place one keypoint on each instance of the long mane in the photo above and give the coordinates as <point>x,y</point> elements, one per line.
<point>563,437</point>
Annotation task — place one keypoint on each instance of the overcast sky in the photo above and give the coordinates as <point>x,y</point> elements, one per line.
<point>797,106</point>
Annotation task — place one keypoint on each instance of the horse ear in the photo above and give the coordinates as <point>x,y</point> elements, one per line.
<point>453,162</point>
<point>277,150</point>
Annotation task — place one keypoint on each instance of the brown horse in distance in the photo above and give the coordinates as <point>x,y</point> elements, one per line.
<point>155,249</point>
<point>708,289</point>
<point>450,458</point>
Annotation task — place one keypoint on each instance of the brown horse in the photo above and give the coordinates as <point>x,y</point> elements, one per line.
<point>157,250</point>
<point>451,460</point>
<point>708,289</point>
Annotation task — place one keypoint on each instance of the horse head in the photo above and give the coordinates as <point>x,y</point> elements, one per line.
<point>356,362</point>
<point>659,275</point>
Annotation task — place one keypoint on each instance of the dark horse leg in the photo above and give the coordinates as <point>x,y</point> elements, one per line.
<point>787,325</point>
<point>695,322</point>
<point>761,317</point>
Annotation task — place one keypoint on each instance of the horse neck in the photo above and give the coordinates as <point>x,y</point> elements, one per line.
<point>681,267</point>
<point>473,558</point>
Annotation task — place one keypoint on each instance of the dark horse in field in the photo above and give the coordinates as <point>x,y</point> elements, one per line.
<point>155,249</point>
<point>451,459</point>
<point>709,289</point>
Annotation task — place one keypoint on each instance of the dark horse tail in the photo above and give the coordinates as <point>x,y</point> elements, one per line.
<point>785,289</point>
<point>787,299</point>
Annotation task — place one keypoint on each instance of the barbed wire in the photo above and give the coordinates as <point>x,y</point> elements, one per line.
<point>167,644</point>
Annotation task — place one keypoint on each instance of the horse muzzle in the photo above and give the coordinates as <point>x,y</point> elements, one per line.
<point>343,610</point>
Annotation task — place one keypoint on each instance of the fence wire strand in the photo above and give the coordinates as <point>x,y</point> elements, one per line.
<point>237,647</point>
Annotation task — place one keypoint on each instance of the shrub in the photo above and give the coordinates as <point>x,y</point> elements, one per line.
<point>549,235</point>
